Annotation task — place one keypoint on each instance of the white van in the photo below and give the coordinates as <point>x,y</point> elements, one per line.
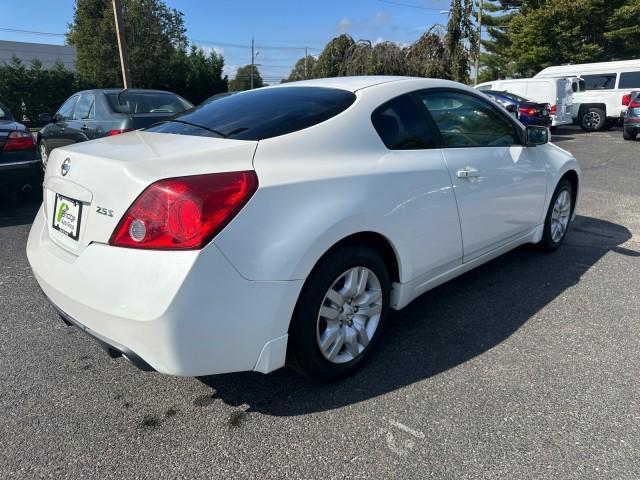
<point>605,83</point>
<point>557,92</point>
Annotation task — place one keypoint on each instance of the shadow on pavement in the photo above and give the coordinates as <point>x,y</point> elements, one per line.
<point>441,329</point>
<point>17,211</point>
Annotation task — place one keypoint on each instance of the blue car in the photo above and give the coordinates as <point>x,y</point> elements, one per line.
<point>527,111</point>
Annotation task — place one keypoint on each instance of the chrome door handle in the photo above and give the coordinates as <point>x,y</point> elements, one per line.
<point>84,127</point>
<point>468,172</point>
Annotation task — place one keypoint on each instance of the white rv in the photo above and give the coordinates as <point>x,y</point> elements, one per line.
<point>557,92</point>
<point>605,85</point>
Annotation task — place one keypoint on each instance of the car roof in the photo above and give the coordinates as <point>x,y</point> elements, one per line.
<point>117,90</point>
<point>356,83</point>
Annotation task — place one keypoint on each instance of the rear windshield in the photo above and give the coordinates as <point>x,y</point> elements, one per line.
<point>513,96</point>
<point>147,102</point>
<point>262,113</point>
<point>5,114</point>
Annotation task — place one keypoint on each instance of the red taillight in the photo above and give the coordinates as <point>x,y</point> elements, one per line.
<point>532,112</point>
<point>19,141</point>
<point>554,109</point>
<point>118,131</point>
<point>184,212</point>
<point>634,105</point>
<point>626,98</point>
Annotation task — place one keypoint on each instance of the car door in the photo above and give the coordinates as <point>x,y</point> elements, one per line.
<point>82,125</point>
<point>499,184</point>
<point>426,216</point>
<point>55,134</point>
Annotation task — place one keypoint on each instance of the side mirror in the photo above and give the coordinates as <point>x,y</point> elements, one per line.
<point>537,135</point>
<point>512,109</point>
<point>45,118</point>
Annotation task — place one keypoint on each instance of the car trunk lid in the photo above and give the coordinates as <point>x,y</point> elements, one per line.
<point>89,186</point>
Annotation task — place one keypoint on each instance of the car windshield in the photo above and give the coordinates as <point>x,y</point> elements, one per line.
<point>5,114</point>
<point>146,102</point>
<point>262,113</point>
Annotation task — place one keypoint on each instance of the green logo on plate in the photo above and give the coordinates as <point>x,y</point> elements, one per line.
<point>63,208</point>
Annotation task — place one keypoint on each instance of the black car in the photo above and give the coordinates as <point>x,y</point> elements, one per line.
<point>20,166</point>
<point>631,125</point>
<point>99,113</point>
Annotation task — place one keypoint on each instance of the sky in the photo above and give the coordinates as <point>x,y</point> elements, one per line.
<point>281,28</point>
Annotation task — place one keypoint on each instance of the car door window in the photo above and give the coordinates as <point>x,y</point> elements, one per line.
<point>601,81</point>
<point>401,125</point>
<point>65,111</point>
<point>467,121</point>
<point>84,108</point>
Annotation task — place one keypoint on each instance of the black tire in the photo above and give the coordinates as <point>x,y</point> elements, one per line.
<point>629,134</point>
<point>304,354</point>
<point>547,244</point>
<point>593,120</point>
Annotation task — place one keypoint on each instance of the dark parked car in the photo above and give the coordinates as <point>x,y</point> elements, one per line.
<point>99,113</point>
<point>20,166</point>
<point>528,111</point>
<point>631,125</point>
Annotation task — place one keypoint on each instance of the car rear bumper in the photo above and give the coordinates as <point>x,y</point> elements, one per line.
<point>21,172</point>
<point>181,313</point>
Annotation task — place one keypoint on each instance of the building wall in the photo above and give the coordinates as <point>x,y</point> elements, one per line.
<point>47,54</point>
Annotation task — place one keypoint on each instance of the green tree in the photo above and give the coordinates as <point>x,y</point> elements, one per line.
<point>459,37</point>
<point>202,75</point>
<point>331,61</point>
<point>302,70</point>
<point>155,36</point>
<point>532,34</point>
<point>425,56</point>
<point>242,80</point>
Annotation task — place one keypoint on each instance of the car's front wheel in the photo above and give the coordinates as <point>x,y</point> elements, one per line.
<point>44,154</point>
<point>340,313</point>
<point>558,217</point>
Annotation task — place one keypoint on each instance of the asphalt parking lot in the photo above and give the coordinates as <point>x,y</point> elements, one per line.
<point>526,368</point>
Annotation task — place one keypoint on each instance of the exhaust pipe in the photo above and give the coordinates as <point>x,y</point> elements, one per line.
<point>27,188</point>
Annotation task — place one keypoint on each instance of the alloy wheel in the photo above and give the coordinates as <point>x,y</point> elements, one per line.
<point>349,315</point>
<point>560,215</point>
<point>592,119</point>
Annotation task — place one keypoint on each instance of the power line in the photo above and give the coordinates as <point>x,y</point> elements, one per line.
<point>31,32</point>
<point>400,4</point>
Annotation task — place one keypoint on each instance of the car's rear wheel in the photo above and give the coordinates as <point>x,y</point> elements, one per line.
<point>629,134</point>
<point>44,154</point>
<point>558,217</point>
<point>340,313</point>
<point>593,120</point>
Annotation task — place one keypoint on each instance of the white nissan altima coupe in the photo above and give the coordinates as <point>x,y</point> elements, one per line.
<point>285,222</point>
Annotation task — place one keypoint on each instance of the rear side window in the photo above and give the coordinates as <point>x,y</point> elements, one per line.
<point>601,81</point>
<point>84,108</point>
<point>467,121</point>
<point>146,102</point>
<point>401,125</point>
<point>264,113</point>
<point>629,80</point>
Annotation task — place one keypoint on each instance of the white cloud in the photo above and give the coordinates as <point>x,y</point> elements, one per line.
<point>377,41</point>
<point>344,25</point>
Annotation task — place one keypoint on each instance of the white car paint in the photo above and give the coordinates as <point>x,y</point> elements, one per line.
<point>227,307</point>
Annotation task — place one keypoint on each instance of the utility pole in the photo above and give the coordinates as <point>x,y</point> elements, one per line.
<point>122,44</point>
<point>253,60</point>
<point>306,54</point>
<point>475,82</point>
